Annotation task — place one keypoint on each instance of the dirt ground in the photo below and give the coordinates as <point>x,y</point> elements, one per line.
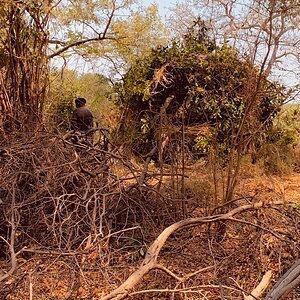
<point>231,266</point>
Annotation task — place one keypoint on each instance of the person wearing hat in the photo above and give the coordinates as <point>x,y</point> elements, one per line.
<point>82,119</point>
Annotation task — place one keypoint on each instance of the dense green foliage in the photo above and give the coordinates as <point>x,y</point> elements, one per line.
<point>194,83</point>
<point>280,153</point>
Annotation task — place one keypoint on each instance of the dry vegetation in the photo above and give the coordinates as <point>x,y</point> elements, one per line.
<point>82,221</point>
<point>77,221</point>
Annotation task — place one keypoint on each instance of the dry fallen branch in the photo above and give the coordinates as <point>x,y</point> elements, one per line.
<point>194,289</point>
<point>263,285</point>
<point>150,261</point>
<point>285,284</point>
<point>11,243</point>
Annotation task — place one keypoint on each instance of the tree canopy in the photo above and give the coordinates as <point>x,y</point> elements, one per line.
<point>34,32</point>
<point>195,83</point>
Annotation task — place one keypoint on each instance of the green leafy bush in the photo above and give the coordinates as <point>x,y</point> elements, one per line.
<point>191,83</point>
<point>280,153</point>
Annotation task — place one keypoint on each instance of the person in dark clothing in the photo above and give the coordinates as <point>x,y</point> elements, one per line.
<point>82,118</point>
<point>82,122</point>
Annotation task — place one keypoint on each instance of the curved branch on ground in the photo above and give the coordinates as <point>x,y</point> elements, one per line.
<point>150,261</point>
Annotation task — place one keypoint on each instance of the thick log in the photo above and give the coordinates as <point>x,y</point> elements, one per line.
<point>286,283</point>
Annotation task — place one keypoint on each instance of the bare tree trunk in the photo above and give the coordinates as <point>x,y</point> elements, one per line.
<point>25,71</point>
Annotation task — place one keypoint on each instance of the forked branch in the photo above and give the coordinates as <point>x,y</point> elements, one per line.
<point>150,261</point>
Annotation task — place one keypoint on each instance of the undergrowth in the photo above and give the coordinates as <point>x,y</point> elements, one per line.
<point>79,219</point>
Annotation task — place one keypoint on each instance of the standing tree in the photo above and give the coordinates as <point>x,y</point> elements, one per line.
<point>195,83</point>
<point>266,31</point>
<point>24,67</point>
<point>34,32</point>
<point>267,34</point>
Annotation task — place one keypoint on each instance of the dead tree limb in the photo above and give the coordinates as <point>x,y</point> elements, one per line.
<point>150,261</point>
<point>11,242</point>
<point>285,284</point>
<point>194,289</point>
<point>263,285</point>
